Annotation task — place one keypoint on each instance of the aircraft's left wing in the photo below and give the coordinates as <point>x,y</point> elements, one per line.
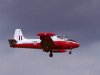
<point>46,40</point>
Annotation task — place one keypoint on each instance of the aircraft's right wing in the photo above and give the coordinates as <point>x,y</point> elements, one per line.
<point>46,40</point>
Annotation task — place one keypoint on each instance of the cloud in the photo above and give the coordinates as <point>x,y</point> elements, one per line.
<point>84,61</point>
<point>78,19</point>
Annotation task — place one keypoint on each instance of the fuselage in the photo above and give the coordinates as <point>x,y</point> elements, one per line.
<point>60,44</point>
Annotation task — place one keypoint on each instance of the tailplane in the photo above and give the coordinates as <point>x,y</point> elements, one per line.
<point>18,36</point>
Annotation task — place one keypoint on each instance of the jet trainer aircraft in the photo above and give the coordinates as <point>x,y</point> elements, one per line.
<point>48,41</point>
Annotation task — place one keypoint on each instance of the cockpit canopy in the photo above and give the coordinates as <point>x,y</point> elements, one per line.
<point>66,38</point>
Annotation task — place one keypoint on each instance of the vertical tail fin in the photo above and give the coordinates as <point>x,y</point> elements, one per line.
<point>18,36</point>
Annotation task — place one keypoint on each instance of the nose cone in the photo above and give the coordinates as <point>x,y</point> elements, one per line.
<point>77,44</point>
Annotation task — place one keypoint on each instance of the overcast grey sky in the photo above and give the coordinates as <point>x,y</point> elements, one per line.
<point>79,19</point>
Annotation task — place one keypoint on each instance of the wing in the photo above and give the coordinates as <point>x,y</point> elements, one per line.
<point>46,40</point>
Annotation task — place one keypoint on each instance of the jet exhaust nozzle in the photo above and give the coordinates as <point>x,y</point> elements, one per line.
<point>12,42</point>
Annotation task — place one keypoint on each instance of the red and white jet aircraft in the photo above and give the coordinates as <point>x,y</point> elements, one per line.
<point>48,41</point>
